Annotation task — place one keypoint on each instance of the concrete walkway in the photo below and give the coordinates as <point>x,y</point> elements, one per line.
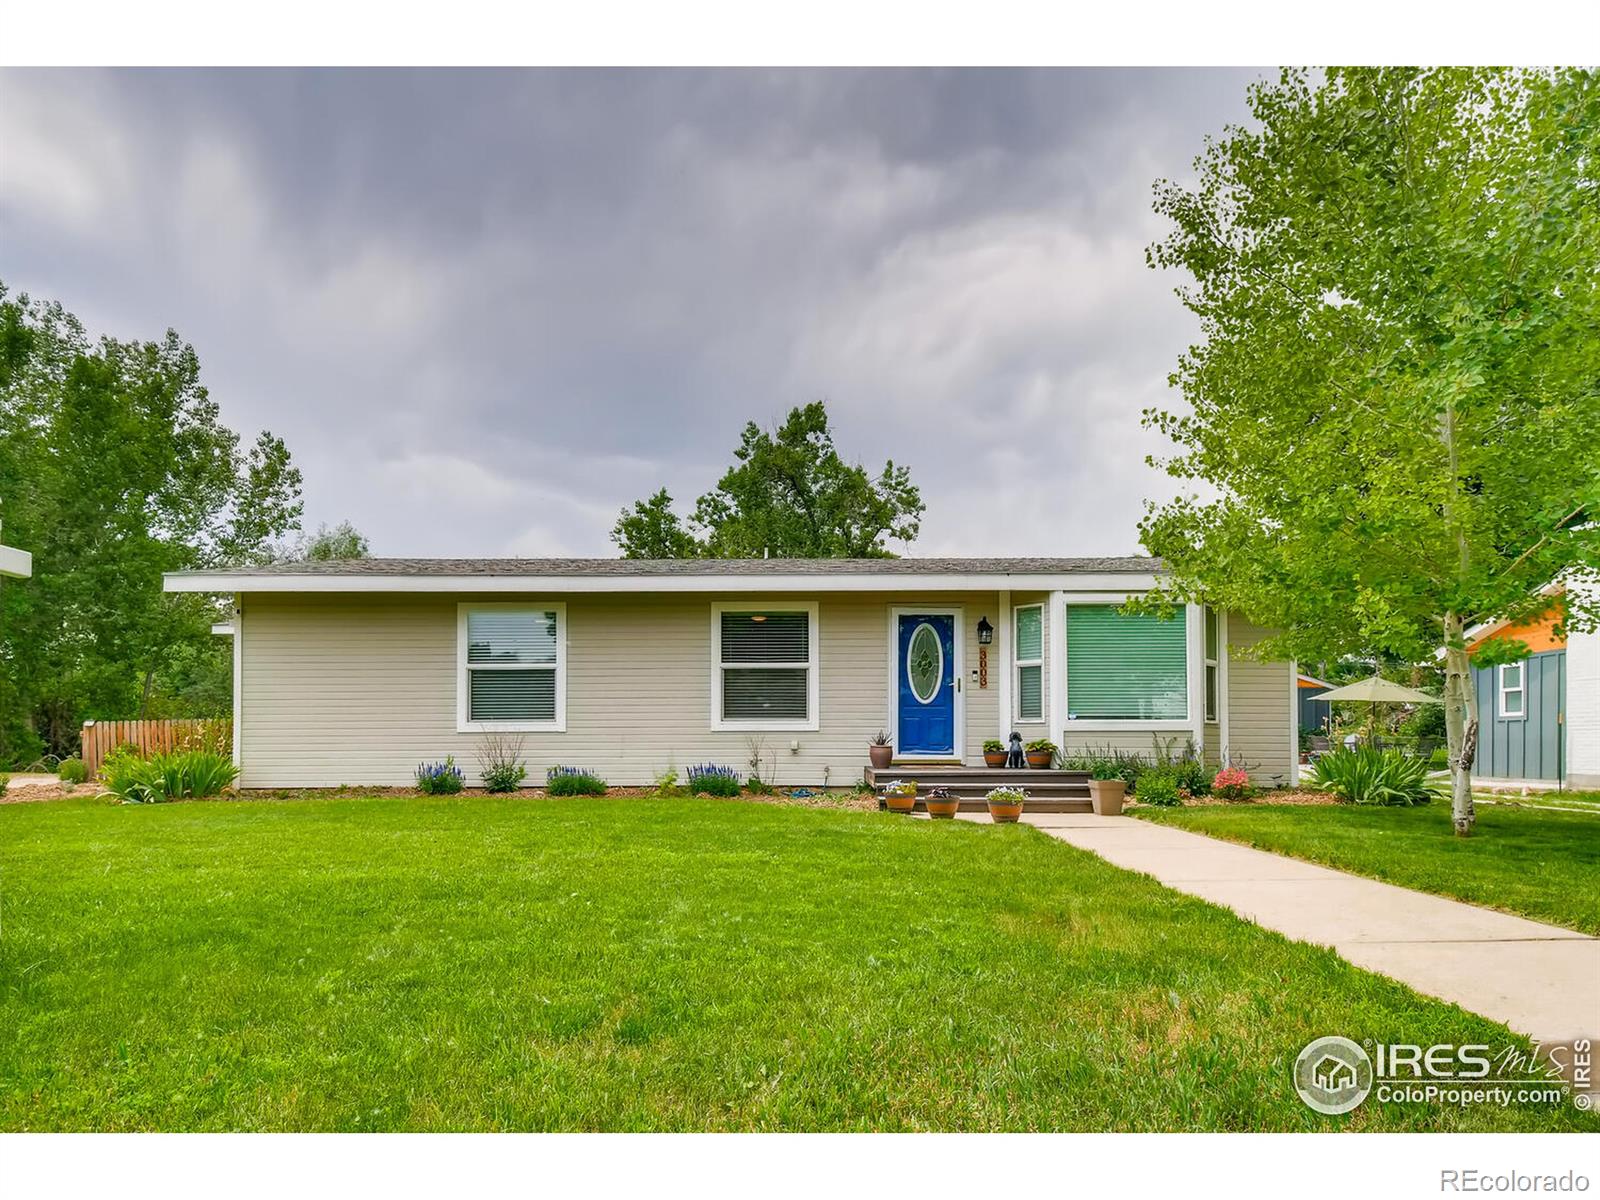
<point>1538,979</point>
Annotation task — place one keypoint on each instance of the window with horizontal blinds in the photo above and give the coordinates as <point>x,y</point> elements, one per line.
<point>521,636</point>
<point>511,666</point>
<point>765,665</point>
<point>1125,667</point>
<point>513,695</point>
<point>1029,625</point>
<point>766,637</point>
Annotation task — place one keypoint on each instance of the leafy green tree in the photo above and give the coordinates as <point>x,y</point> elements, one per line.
<point>115,467</point>
<point>344,540</point>
<point>1396,400</point>
<point>651,529</point>
<point>789,495</point>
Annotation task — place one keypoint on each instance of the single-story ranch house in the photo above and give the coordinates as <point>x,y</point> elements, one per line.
<point>353,672</point>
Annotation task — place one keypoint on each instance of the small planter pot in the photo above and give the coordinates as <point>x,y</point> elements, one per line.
<point>942,806</point>
<point>1005,814</point>
<point>880,756</point>
<point>1106,796</point>
<point>994,758</point>
<point>1039,760</point>
<point>901,802</point>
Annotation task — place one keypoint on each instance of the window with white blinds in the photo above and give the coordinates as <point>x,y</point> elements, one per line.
<point>1125,667</point>
<point>512,660</point>
<point>1029,624</point>
<point>765,667</point>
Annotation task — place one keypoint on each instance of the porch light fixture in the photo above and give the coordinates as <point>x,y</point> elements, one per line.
<point>985,631</point>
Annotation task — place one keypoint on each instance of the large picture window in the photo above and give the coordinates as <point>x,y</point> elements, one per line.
<point>1029,624</point>
<point>1123,667</point>
<point>511,667</point>
<point>765,667</point>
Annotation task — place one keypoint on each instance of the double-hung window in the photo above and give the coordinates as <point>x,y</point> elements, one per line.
<point>1213,656</point>
<point>764,666</point>
<point>511,667</point>
<point>1028,621</point>
<point>1125,667</point>
<point>1513,692</point>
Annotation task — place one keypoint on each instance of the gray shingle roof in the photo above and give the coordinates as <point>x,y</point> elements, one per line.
<point>699,566</point>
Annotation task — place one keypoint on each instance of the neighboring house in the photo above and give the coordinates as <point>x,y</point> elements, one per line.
<point>1539,719</point>
<point>1314,713</point>
<point>354,671</point>
<point>15,564</point>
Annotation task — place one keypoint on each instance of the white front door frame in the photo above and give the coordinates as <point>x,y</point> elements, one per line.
<point>958,649</point>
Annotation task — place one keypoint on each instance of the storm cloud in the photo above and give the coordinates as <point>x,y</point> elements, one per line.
<point>486,309</point>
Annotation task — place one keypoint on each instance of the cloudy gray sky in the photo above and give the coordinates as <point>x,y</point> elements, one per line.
<point>488,308</point>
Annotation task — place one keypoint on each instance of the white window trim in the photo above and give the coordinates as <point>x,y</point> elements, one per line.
<point>1179,724</point>
<point>463,689</point>
<point>1207,663</point>
<point>1018,663</point>
<point>813,666</point>
<point>1521,691</point>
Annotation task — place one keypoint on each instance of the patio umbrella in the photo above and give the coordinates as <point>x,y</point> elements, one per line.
<point>1378,690</point>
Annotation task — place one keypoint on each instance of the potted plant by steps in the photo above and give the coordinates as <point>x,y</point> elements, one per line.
<point>879,751</point>
<point>900,795</point>
<point>1106,788</point>
<point>1005,804</point>
<point>942,806</point>
<point>1041,753</point>
<point>994,753</point>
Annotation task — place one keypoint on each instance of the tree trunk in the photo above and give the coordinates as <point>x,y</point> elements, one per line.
<point>1460,723</point>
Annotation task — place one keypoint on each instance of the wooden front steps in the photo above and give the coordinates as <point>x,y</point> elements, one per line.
<point>1048,791</point>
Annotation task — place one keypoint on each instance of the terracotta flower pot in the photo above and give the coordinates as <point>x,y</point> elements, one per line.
<point>1105,795</point>
<point>880,756</point>
<point>901,803</point>
<point>994,758</point>
<point>1005,814</point>
<point>942,808</point>
<point>1040,759</point>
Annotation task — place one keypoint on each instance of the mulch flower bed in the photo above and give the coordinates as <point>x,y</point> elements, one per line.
<point>1296,796</point>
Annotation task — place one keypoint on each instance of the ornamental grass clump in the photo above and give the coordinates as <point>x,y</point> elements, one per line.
<point>500,764</point>
<point>72,771</point>
<point>175,775</point>
<point>440,778</point>
<point>1366,775</point>
<point>709,779</point>
<point>573,781</point>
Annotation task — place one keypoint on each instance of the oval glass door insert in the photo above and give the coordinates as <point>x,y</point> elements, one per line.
<point>925,663</point>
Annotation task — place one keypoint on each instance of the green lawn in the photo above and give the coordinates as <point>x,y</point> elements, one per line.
<point>1585,801</point>
<point>1541,864</point>
<point>641,964</point>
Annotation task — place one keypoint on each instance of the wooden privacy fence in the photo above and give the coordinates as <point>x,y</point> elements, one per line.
<point>100,738</point>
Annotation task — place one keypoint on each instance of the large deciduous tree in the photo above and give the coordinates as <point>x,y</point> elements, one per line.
<point>788,495</point>
<point>1396,401</point>
<point>115,467</point>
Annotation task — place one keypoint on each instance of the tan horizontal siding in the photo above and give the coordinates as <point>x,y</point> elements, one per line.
<point>1259,698</point>
<point>360,689</point>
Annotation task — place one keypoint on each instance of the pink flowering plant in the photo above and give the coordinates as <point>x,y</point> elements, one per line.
<point>1232,783</point>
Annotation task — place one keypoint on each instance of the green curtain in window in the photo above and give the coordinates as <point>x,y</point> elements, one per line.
<point>1122,667</point>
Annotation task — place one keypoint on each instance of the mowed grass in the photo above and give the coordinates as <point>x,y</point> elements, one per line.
<point>1534,862</point>
<point>636,964</point>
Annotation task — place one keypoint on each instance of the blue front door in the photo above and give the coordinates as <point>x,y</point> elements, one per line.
<point>926,683</point>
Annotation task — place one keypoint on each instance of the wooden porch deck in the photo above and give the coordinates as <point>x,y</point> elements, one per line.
<point>1048,790</point>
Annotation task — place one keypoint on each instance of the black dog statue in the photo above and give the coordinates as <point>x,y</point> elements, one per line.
<point>1015,760</point>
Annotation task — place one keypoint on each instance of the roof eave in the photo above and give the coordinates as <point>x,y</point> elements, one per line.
<point>1088,581</point>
